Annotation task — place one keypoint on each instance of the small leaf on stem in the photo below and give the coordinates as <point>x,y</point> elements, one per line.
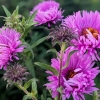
<point>47,67</point>
<point>8,14</point>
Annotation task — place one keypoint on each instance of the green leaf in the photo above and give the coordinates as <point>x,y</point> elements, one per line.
<point>8,14</point>
<point>26,32</point>
<point>30,67</point>
<point>29,48</point>
<point>95,95</point>
<point>38,42</point>
<point>23,20</point>
<point>49,99</point>
<point>31,24</point>
<point>26,97</point>
<point>42,97</point>
<point>16,11</point>
<point>54,51</point>
<point>60,89</point>
<point>68,59</point>
<point>34,88</point>
<point>47,67</point>
<point>29,83</point>
<point>31,18</point>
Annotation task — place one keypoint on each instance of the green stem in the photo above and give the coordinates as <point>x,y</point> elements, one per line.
<point>24,90</point>
<point>95,96</point>
<point>61,57</point>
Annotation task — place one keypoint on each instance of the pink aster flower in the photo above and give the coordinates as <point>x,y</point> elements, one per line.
<point>9,46</point>
<point>76,79</point>
<point>48,12</point>
<point>87,25</point>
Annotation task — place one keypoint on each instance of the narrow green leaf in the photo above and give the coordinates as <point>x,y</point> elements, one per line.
<point>31,24</point>
<point>38,42</point>
<point>26,97</point>
<point>68,59</point>
<point>16,11</point>
<point>34,87</point>
<point>28,83</point>
<point>26,32</point>
<point>45,93</point>
<point>95,95</point>
<point>30,67</point>
<point>49,99</point>
<point>29,48</point>
<point>53,50</point>
<point>60,89</point>
<point>8,14</point>
<point>31,18</point>
<point>23,20</point>
<point>47,67</point>
<point>42,98</point>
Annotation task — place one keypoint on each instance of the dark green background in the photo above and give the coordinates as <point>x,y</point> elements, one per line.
<point>69,6</point>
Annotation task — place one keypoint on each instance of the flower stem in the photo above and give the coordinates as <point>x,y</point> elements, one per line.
<point>61,57</point>
<point>24,90</point>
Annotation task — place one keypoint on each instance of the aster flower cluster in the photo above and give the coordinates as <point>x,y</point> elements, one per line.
<point>10,46</point>
<point>48,12</point>
<point>88,29</point>
<point>80,32</point>
<point>76,79</point>
<point>12,55</point>
<point>73,71</point>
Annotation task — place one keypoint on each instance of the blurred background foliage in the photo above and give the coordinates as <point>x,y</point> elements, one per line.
<point>69,6</point>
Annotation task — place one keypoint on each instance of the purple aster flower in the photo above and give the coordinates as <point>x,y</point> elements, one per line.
<point>76,79</point>
<point>9,46</point>
<point>87,25</point>
<point>48,12</point>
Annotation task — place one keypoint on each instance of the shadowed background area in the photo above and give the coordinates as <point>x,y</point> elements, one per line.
<point>69,6</point>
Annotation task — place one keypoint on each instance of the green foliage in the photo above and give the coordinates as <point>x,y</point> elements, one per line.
<point>47,67</point>
<point>30,66</point>
<point>53,51</point>
<point>8,14</point>
<point>95,96</point>
<point>25,6</point>
<point>27,97</point>
<point>18,22</point>
<point>28,83</point>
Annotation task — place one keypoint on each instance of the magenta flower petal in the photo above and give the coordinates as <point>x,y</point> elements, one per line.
<point>48,12</point>
<point>9,46</point>
<point>76,79</point>
<point>87,25</point>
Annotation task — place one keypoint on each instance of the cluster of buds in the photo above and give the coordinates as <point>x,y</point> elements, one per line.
<point>15,74</point>
<point>61,34</point>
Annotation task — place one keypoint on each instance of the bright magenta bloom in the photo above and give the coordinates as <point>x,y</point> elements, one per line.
<point>76,79</point>
<point>48,12</point>
<point>87,25</point>
<point>9,46</point>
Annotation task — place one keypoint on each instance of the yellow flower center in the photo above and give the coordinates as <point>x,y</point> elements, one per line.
<point>71,74</point>
<point>93,31</point>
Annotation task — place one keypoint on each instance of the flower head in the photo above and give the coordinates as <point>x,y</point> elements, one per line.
<point>61,34</point>
<point>15,74</point>
<point>76,79</point>
<point>48,12</point>
<point>87,25</point>
<point>9,46</point>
